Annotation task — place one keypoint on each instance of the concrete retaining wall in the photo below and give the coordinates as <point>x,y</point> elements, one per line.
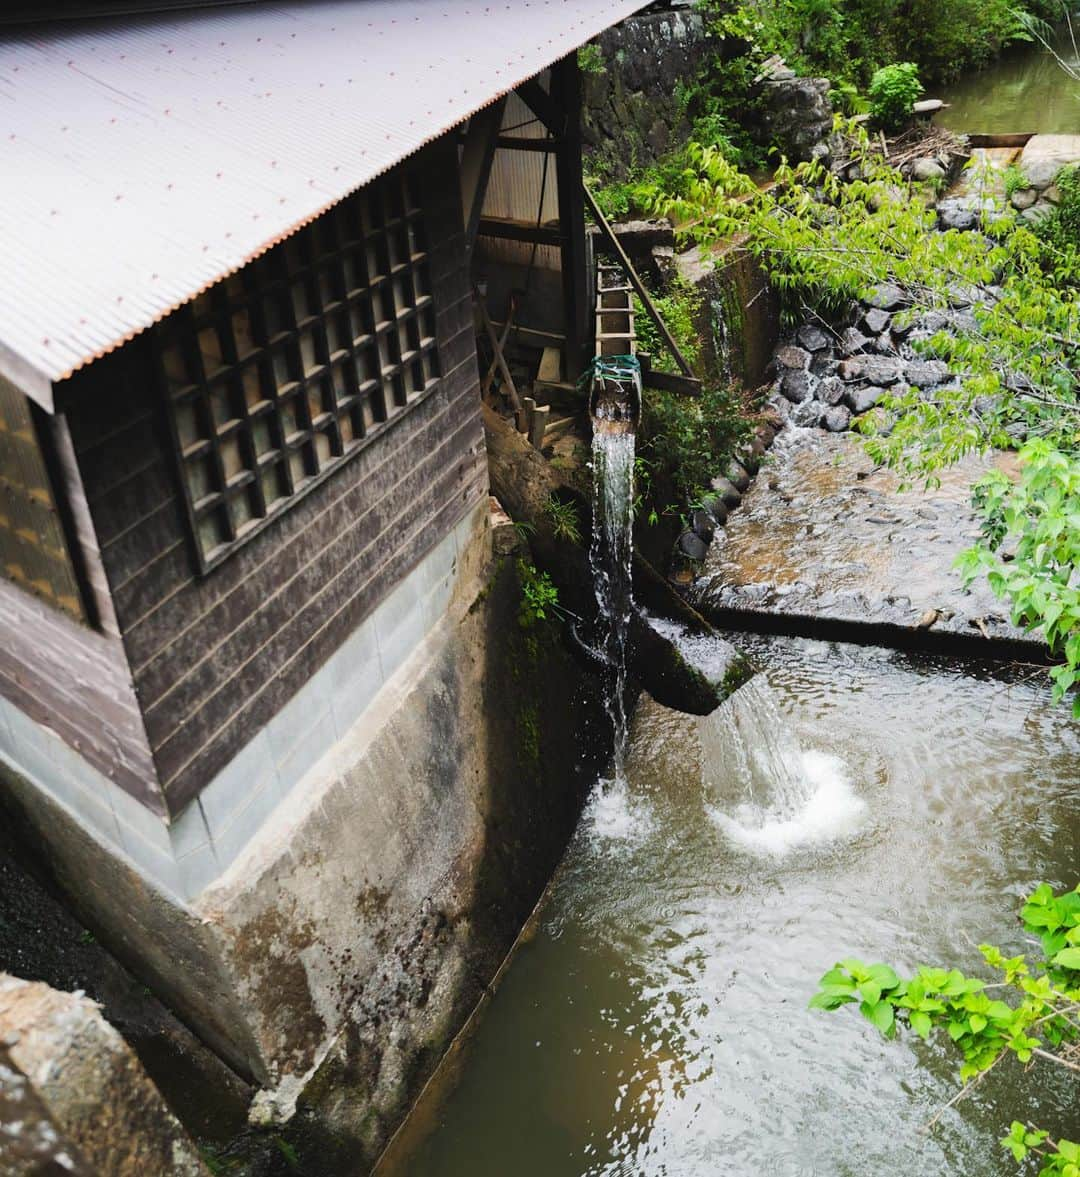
<point>361,912</point>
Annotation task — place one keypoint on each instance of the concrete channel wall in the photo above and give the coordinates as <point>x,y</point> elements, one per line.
<point>341,947</point>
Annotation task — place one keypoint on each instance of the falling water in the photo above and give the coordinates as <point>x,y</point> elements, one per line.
<point>610,557</point>
<point>721,339</point>
<point>771,794</point>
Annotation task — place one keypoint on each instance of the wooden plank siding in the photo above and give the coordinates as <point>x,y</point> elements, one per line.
<point>75,681</point>
<point>214,657</point>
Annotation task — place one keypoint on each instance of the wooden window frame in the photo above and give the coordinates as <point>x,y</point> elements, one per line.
<point>340,341</point>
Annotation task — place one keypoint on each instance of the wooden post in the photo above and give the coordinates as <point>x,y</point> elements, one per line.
<point>476,159</point>
<point>566,92</point>
<point>538,426</point>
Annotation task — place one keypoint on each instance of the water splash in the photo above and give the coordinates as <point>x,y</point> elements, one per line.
<point>772,794</point>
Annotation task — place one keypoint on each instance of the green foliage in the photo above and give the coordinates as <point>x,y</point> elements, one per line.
<point>539,596</point>
<point>684,439</point>
<point>1061,230</point>
<point>563,514</point>
<point>894,90</point>
<point>1014,180</point>
<point>1031,550</point>
<point>847,40</point>
<point>688,438</point>
<point>590,59</point>
<point>680,309</point>
<point>1036,1016</point>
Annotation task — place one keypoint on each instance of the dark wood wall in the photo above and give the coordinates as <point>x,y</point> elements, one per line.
<point>214,657</point>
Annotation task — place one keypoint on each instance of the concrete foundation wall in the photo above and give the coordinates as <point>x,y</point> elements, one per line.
<point>346,920</point>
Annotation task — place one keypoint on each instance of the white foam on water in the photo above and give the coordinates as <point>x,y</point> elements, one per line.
<point>831,810</point>
<point>614,815</point>
<point>769,794</point>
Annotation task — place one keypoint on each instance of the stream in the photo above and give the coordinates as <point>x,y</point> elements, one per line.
<point>1024,90</point>
<point>848,800</point>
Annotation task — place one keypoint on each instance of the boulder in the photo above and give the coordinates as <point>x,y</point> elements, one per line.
<point>808,414</point>
<point>90,1085</point>
<point>862,400</point>
<point>837,419</point>
<point>792,358</point>
<point>703,525</point>
<point>692,546</point>
<point>726,492</point>
<point>852,341</point>
<point>882,370</point>
<point>1037,213</point>
<point>797,387</point>
<point>717,508</point>
<point>797,115</point>
<point>824,363</point>
<point>926,373</point>
<point>953,215</point>
<point>887,297</point>
<point>813,338</point>
<point>737,474</point>
<point>926,169</point>
<point>1045,155</point>
<point>875,321</point>
<point>831,390</point>
<point>1024,198</point>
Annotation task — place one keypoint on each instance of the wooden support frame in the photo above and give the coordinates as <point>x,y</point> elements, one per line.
<point>477,156</point>
<point>566,93</point>
<point>541,103</point>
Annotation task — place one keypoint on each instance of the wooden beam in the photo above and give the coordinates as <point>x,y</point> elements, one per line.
<point>566,91</point>
<point>670,382</point>
<point>539,101</point>
<point>639,287</point>
<point>511,230</point>
<point>476,159</point>
<point>518,143</point>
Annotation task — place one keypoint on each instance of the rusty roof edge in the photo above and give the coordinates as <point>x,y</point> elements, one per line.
<point>26,377</point>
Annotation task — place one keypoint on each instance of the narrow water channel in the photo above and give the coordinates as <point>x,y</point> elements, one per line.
<point>656,1022</point>
<point>1024,90</point>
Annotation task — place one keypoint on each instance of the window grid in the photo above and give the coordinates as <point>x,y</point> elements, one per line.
<point>277,374</point>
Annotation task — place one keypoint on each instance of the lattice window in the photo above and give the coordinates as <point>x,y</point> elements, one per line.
<point>34,552</point>
<point>278,374</point>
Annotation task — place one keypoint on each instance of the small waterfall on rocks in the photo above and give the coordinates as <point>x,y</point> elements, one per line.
<point>769,794</point>
<point>721,339</point>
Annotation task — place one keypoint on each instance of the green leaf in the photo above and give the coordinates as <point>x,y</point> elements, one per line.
<point>881,1015</point>
<point>1067,958</point>
<point>920,1023</point>
<point>870,991</point>
<point>977,1023</point>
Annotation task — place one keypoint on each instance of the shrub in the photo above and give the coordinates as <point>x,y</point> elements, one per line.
<point>1062,229</point>
<point>893,92</point>
<point>590,59</point>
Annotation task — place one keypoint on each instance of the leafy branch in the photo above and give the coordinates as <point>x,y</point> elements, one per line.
<point>1036,1018</point>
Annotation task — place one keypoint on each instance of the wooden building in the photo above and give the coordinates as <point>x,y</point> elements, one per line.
<point>243,488</point>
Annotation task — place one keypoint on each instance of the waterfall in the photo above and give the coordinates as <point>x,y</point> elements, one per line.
<point>769,794</point>
<point>721,340</point>
<point>611,550</point>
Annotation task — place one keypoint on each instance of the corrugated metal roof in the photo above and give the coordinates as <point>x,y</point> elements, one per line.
<point>145,158</point>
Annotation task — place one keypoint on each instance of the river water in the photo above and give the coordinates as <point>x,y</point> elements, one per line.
<point>848,801</point>
<point>1025,90</point>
